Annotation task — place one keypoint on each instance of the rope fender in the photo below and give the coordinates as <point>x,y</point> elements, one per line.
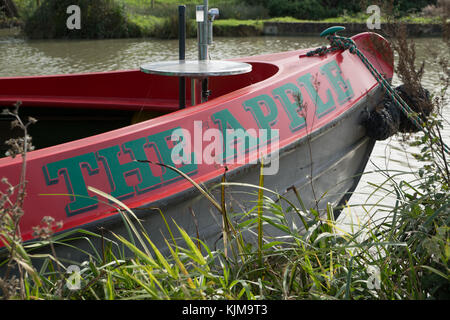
<point>405,118</point>
<point>387,119</point>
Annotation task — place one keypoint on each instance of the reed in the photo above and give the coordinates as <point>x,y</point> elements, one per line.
<point>400,256</point>
<point>404,256</point>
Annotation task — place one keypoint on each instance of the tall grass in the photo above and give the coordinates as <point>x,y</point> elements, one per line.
<point>404,256</point>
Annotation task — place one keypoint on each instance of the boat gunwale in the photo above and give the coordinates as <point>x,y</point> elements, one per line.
<point>103,138</point>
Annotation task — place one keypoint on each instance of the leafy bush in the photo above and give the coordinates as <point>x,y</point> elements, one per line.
<point>242,11</point>
<point>320,9</point>
<point>408,6</point>
<point>99,19</point>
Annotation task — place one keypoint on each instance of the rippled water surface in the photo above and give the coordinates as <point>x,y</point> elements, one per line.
<point>19,57</point>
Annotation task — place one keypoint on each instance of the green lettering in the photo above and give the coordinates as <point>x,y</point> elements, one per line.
<point>71,170</point>
<point>254,105</point>
<point>117,172</point>
<point>233,134</point>
<point>159,142</point>
<point>341,87</point>
<point>291,100</point>
<point>321,107</point>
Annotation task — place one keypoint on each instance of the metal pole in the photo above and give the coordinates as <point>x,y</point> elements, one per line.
<point>182,52</point>
<point>193,90</point>
<point>204,52</point>
<point>203,34</point>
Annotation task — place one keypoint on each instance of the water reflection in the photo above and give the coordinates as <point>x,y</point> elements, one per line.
<point>19,57</point>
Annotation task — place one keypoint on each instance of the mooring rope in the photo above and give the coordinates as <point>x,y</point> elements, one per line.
<point>344,43</point>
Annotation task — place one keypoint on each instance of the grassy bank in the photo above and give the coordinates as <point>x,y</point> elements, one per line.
<point>167,28</point>
<point>138,18</point>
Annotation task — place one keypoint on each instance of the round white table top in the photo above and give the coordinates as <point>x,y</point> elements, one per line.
<point>196,68</point>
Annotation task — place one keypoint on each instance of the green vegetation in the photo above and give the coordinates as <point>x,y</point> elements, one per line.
<point>161,21</point>
<point>157,18</point>
<point>360,17</point>
<point>322,9</point>
<point>403,257</point>
<point>101,19</point>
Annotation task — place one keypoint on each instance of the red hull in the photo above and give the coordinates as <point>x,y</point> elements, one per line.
<point>262,99</point>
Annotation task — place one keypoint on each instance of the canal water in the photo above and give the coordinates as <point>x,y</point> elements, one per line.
<point>19,57</point>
